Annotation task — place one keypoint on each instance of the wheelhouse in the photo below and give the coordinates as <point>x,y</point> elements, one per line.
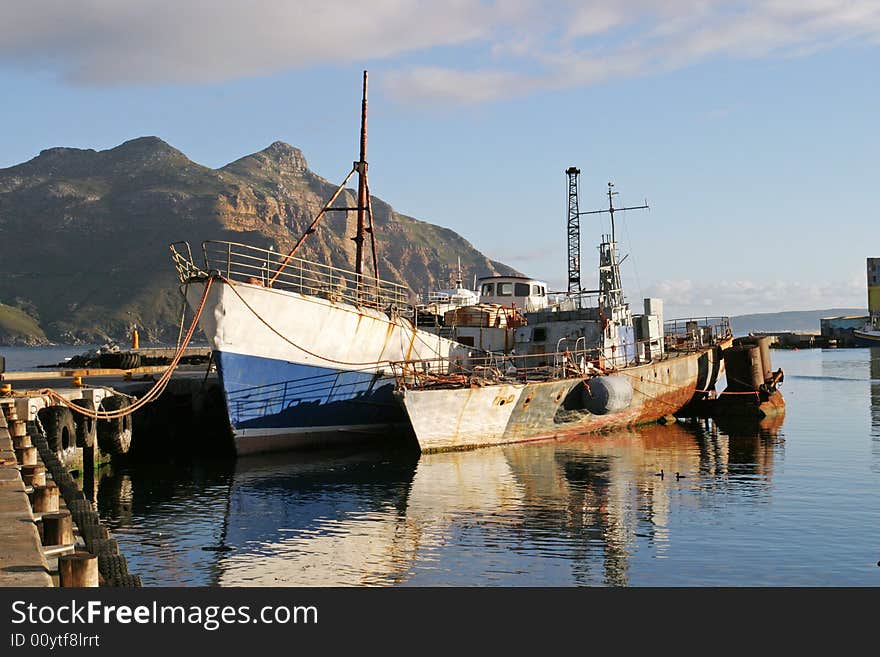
<point>527,294</point>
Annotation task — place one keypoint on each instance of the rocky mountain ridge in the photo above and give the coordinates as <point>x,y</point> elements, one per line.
<point>85,233</point>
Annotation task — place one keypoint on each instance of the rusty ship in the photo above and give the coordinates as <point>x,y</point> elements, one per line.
<point>540,368</point>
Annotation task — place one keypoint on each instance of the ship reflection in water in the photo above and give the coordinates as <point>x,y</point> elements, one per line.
<point>587,511</point>
<point>874,371</point>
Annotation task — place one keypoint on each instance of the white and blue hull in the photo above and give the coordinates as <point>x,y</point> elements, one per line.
<point>303,371</point>
<point>867,338</point>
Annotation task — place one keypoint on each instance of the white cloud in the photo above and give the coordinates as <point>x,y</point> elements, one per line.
<point>114,41</point>
<point>597,42</point>
<point>429,84</point>
<point>515,47</point>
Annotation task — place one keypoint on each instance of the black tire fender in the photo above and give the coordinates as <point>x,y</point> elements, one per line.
<point>114,436</point>
<point>60,430</point>
<point>86,427</point>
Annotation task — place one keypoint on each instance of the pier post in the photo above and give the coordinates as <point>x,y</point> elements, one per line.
<point>78,570</point>
<point>57,528</point>
<point>26,455</point>
<point>44,499</point>
<point>33,475</point>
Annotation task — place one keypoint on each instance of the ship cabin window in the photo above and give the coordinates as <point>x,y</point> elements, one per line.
<point>539,334</point>
<point>537,290</point>
<point>488,290</point>
<point>505,289</point>
<point>521,290</point>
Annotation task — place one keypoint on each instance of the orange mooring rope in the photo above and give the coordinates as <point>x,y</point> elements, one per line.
<point>157,389</point>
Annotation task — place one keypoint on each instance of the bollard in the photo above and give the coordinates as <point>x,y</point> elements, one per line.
<point>26,455</point>
<point>78,570</point>
<point>33,475</point>
<point>44,499</point>
<point>21,441</point>
<point>57,528</point>
<point>17,428</point>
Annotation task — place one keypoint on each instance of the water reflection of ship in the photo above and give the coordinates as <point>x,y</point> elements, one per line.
<point>874,360</point>
<point>307,520</point>
<point>374,520</point>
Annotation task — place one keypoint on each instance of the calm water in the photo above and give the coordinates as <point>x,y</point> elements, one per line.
<point>28,358</point>
<point>790,503</point>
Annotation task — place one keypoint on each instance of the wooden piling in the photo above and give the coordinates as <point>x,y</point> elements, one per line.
<point>21,441</point>
<point>33,475</point>
<point>44,499</point>
<point>78,570</point>
<point>17,428</point>
<point>26,455</point>
<point>57,528</point>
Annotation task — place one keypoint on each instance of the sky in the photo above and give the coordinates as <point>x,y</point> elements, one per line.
<point>750,127</point>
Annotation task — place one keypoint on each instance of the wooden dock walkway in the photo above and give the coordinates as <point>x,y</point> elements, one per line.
<point>22,562</point>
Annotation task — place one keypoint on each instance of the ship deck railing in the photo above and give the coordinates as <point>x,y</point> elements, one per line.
<point>489,368</point>
<point>459,372</point>
<point>572,359</point>
<point>693,333</point>
<point>258,266</point>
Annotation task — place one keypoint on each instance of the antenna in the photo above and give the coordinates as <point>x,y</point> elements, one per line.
<point>611,209</point>
<point>610,287</point>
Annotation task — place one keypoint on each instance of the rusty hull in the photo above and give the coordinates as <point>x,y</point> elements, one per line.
<point>470,417</point>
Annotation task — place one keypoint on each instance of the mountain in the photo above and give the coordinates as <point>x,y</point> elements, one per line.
<point>796,320</point>
<point>85,233</point>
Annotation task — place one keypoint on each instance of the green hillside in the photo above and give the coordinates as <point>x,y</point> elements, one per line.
<point>19,328</point>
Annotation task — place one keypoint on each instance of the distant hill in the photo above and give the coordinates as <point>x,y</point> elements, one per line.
<point>84,252</point>
<point>795,320</point>
<point>19,328</point>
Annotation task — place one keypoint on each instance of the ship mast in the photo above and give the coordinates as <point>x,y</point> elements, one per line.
<point>610,285</point>
<point>364,212</point>
<point>361,167</point>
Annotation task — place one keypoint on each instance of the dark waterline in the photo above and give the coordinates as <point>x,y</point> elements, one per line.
<point>791,503</point>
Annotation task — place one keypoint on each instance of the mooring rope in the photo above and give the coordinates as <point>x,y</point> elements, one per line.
<point>158,387</point>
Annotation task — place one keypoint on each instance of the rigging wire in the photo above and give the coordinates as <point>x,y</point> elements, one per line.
<point>632,250</point>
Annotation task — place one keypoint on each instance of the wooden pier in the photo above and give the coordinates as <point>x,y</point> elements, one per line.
<point>50,532</point>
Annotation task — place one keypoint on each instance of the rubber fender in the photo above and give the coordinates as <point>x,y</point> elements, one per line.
<point>120,360</point>
<point>114,436</point>
<point>60,429</point>
<point>86,427</point>
<point>607,394</point>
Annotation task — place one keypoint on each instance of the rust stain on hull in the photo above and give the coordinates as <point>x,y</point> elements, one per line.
<point>551,410</point>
